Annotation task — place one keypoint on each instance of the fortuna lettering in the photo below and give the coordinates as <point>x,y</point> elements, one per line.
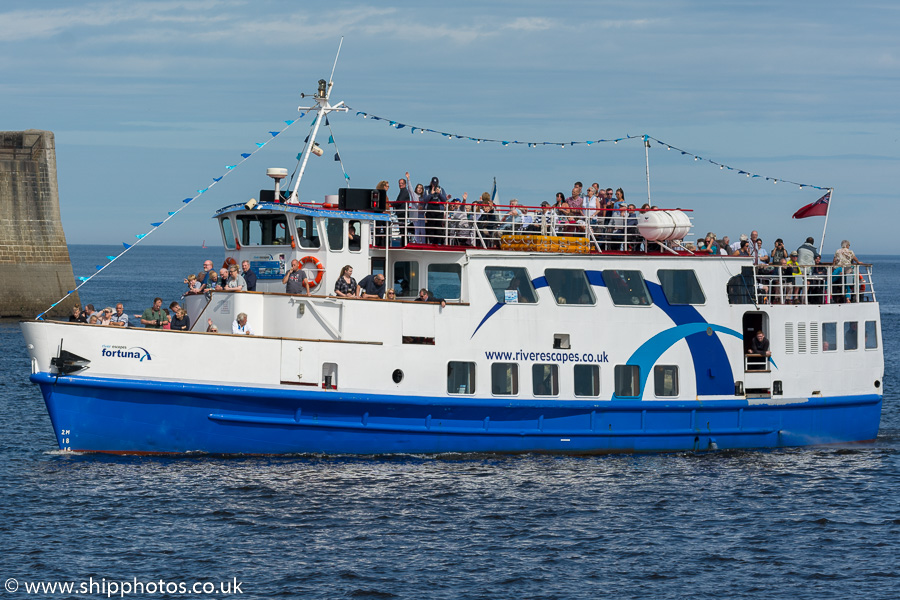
<point>139,353</point>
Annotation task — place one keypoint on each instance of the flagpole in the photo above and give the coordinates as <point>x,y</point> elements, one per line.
<point>827,210</point>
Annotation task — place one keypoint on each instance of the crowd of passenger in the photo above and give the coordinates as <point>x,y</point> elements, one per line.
<point>430,215</point>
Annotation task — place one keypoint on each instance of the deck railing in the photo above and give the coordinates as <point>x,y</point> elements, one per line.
<point>820,284</point>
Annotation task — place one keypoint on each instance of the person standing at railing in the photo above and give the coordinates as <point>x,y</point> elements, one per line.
<point>461,232</point>
<point>401,209</point>
<point>817,281</point>
<point>759,346</point>
<point>845,259</point>
<point>416,211</point>
<point>806,258</point>
<point>435,201</point>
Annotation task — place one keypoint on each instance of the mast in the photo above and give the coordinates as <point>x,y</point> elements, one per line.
<point>322,108</point>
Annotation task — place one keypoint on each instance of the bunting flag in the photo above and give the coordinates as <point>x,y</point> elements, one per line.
<point>141,236</point>
<point>615,140</point>
<point>819,208</point>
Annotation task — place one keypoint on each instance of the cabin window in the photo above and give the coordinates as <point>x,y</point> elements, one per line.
<point>570,286</point>
<point>460,377</point>
<point>628,381</point>
<point>627,288</point>
<point>871,335</point>
<point>307,234</point>
<point>334,229</point>
<point>511,285</point>
<point>504,379</point>
<point>406,278</point>
<point>587,380</point>
<point>263,230</point>
<point>681,286</point>
<point>545,380</point>
<point>354,233</point>
<point>444,281</point>
<point>851,335</point>
<point>665,380</point>
<point>829,337</point>
<point>228,233</point>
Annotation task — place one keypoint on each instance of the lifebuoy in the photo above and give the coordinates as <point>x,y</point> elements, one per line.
<point>862,284</point>
<point>228,262</point>
<point>320,270</point>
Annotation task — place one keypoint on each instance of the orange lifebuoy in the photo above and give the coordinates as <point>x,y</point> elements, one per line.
<point>320,270</point>
<point>862,284</point>
<point>329,205</point>
<point>228,262</point>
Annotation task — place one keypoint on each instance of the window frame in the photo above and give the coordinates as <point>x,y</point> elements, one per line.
<point>823,335</point>
<point>513,369</point>
<point>666,295</point>
<point>458,271</point>
<point>635,378</point>
<point>874,335</point>
<point>527,279</point>
<point>659,370</point>
<point>472,369</point>
<point>556,297</point>
<point>575,369</point>
<point>612,295</point>
<point>554,379</point>
<point>855,337</point>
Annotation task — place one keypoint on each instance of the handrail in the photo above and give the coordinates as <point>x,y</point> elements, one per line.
<point>824,283</point>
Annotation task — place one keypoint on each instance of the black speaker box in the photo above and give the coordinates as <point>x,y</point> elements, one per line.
<point>362,200</point>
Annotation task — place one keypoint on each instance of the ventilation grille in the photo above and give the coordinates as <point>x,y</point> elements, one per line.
<point>801,338</point>
<point>814,338</point>
<point>789,338</point>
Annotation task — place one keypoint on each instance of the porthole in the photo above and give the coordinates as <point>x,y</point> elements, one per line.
<point>397,376</point>
<point>877,384</point>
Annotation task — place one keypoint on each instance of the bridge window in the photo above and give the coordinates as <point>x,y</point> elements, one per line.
<point>307,234</point>
<point>460,377</point>
<point>228,233</point>
<point>504,379</point>
<point>829,337</point>
<point>545,380</point>
<point>851,335</point>
<point>871,335</point>
<point>511,285</point>
<point>406,278</point>
<point>587,380</point>
<point>263,230</point>
<point>628,381</point>
<point>354,243</point>
<point>334,229</point>
<point>680,286</point>
<point>627,288</point>
<point>665,379</point>
<point>570,286</point>
<point>444,281</point>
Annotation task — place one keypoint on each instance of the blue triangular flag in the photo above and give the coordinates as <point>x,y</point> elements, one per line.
<point>330,139</point>
<point>274,133</point>
<point>100,267</point>
<point>172,214</point>
<point>203,190</point>
<point>299,155</point>
<point>230,167</point>
<point>127,246</point>
<point>337,158</point>
<point>258,145</point>
<point>186,200</point>
<point>111,257</point>
<point>155,224</point>
<point>290,122</point>
<point>140,236</point>
<point>347,177</point>
<point>306,141</point>
<point>245,155</point>
<point>326,121</point>
<point>82,279</point>
<point>400,125</point>
<point>217,179</point>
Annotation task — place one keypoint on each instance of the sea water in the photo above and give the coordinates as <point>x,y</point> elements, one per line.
<point>806,523</point>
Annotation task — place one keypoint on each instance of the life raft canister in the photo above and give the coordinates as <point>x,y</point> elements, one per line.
<point>320,270</point>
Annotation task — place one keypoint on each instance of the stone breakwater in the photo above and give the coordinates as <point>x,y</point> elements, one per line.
<point>34,259</point>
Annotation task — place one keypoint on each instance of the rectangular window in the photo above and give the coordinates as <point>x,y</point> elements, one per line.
<point>307,234</point>
<point>628,381</point>
<point>460,377</point>
<point>871,335</point>
<point>406,278</point>
<point>444,281</point>
<point>354,235</point>
<point>228,232</point>
<point>545,380</point>
<point>570,286</point>
<point>334,229</point>
<point>627,288</point>
<point>587,380</point>
<point>665,380</point>
<point>511,285</point>
<point>263,230</point>
<point>681,286</point>
<point>504,379</point>
<point>829,337</point>
<point>851,335</point>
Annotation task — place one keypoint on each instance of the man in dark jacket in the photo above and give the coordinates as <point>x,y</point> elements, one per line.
<point>435,201</point>
<point>249,276</point>
<point>401,209</point>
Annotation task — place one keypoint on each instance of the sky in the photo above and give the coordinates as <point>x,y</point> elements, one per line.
<point>151,100</point>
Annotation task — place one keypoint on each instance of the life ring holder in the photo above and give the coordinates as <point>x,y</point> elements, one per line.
<point>320,270</point>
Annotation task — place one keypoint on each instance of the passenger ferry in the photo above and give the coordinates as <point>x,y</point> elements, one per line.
<point>573,338</point>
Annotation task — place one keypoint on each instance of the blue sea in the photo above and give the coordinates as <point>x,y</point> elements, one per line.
<point>808,523</point>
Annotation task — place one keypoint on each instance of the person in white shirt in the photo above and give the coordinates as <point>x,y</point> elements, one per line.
<point>240,325</point>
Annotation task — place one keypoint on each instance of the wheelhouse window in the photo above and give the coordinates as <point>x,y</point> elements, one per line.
<point>628,381</point>
<point>307,233</point>
<point>871,335</point>
<point>829,337</point>
<point>406,278</point>
<point>627,288</point>
<point>460,377</point>
<point>665,380</point>
<point>545,380</point>
<point>354,236</point>
<point>228,233</point>
<point>504,379</point>
<point>681,286</point>
<point>334,229</point>
<point>263,230</point>
<point>851,335</point>
<point>587,380</point>
<point>511,285</point>
<point>570,286</point>
<point>445,281</point>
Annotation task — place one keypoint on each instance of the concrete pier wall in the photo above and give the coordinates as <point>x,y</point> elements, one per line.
<point>35,269</point>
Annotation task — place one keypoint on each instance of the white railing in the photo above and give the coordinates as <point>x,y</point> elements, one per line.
<point>820,284</point>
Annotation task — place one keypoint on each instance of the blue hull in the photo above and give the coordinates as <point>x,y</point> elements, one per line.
<point>132,416</point>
